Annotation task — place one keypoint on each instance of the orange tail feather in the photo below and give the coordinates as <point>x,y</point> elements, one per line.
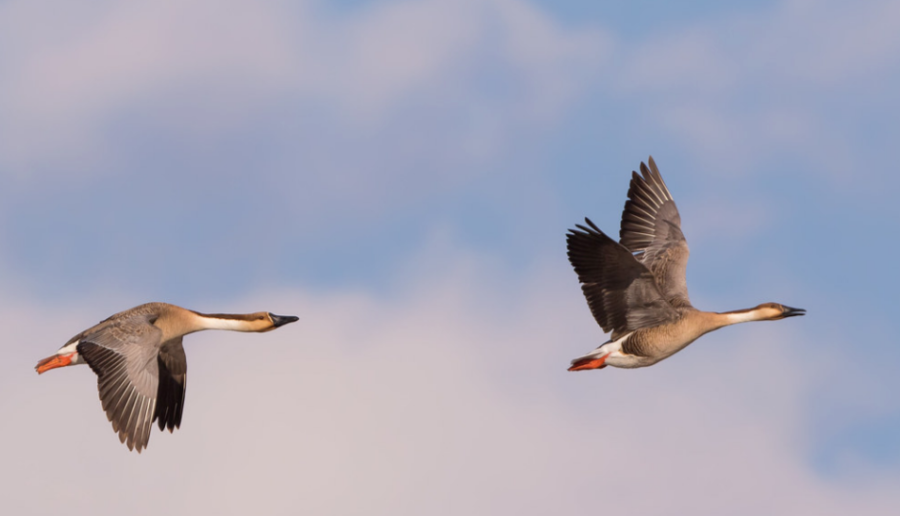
<point>589,363</point>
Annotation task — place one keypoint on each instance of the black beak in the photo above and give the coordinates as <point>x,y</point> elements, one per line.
<point>791,312</point>
<point>281,320</point>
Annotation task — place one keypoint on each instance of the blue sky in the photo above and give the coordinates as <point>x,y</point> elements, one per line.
<point>406,171</point>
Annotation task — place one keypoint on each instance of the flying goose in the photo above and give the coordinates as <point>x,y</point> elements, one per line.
<point>636,288</point>
<point>140,364</point>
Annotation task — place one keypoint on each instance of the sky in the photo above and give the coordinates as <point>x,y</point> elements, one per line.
<point>401,174</point>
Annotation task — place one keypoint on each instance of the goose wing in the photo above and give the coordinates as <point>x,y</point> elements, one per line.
<point>621,292</point>
<point>172,365</point>
<point>651,229</point>
<point>133,368</point>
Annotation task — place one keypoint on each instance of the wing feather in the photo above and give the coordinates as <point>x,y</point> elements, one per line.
<point>651,229</point>
<point>140,378</point>
<point>172,385</point>
<point>620,291</point>
<point>122,352</point>
<point>126,407</point>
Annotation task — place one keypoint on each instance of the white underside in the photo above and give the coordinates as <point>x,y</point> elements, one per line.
<point>616,357</point>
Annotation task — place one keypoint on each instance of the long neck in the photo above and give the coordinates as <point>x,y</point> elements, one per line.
<point>232,322</point>
<point>716,320</point>
<point>709,321</point>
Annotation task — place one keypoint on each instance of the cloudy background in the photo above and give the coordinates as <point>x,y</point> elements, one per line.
<point>401,174</point>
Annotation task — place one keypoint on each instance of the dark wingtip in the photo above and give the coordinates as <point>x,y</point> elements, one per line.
<point>646,171</point>
<point>592,228</point>
<point>281,320</point>
<point>591,224</point>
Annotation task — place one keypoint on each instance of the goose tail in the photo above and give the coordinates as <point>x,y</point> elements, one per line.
<point>587,362</point>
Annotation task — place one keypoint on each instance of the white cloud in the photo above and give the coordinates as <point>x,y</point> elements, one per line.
<point>794,43</point>
<point>70,80</point>
<point>449,398</point>
<point>772,82</point>
<point>63,88</point>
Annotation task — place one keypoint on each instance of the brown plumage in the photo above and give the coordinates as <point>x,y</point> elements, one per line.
<point>636,287</point>
<point>140,362</point>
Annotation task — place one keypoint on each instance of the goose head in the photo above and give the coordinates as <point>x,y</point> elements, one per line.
<point>280,320</point>
<point>776,311</point>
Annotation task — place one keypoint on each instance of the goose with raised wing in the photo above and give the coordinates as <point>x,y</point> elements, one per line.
<point>140,363</point>
<point>636,287</point>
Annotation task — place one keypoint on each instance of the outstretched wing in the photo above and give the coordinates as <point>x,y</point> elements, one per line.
<point>124,352</point>
<point>621,292</point>
<point>651,228</point>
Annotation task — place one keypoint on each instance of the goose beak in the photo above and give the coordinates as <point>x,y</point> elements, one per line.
<point>791,312</point>
<point>281,320</point>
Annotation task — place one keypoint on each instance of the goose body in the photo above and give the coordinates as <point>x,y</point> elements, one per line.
<point>636,287</point>
<point>140,362</point>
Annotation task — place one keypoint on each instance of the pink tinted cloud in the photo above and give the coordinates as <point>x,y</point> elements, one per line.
<point>449,397</point>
